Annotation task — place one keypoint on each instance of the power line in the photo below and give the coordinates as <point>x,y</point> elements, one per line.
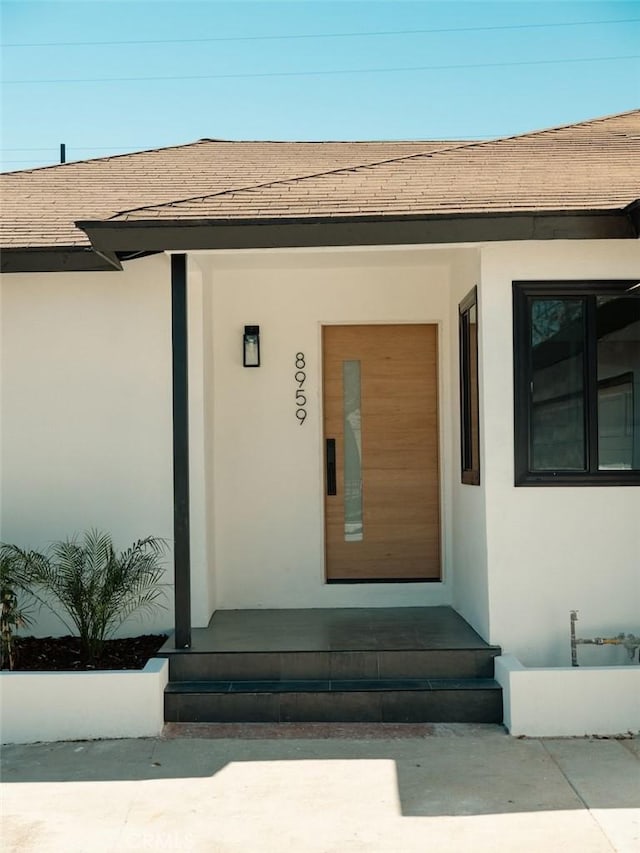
<point>322,35</point>
<point>31,160</point>
<point>151,146</point>
<point>81,148</point>
<point>328,72</point>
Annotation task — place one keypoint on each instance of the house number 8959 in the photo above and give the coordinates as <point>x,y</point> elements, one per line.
<point>301,397</point>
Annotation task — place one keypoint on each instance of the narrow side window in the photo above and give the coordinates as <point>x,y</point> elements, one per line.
<point>469,405</point>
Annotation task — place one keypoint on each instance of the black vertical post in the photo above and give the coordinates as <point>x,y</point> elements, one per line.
<point>182,567</point>
<point>63,153</point>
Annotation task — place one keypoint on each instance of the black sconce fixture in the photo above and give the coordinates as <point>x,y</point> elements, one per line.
<point>251,346</point>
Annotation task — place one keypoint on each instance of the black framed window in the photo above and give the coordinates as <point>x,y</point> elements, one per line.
<point>469,404</point>
<point>577,382</point>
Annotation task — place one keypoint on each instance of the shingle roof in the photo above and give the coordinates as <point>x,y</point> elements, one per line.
<point>40,206</point>
<point>594,165</point>
<point>589,166</point>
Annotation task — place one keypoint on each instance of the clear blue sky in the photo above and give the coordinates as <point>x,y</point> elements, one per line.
<point>251,65</point>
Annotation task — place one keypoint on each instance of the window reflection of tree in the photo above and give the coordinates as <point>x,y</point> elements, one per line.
<point>550,316</point>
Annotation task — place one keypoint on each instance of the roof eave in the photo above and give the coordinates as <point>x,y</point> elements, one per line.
<point>633,212</point>
<point>58,259</point>
<point>111,239</point>
<point>294,232</point>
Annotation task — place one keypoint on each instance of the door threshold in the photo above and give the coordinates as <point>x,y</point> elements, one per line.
<point>381,580</point>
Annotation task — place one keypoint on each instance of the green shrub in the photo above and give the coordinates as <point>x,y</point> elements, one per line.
<point>16,575</point>
<point>93,589</point>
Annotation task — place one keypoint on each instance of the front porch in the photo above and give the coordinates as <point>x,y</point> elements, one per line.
<point>252,502</point>
<point>407,664</point>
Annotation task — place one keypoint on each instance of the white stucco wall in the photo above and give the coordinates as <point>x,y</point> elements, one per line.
<point>566,701</point>
<point>86,409</point>
<point>201,399</point>
<point>550,549</point>
<point>266,508</point>
<point>52,706</point>
<point>86,434</point>
<point>469,540</point>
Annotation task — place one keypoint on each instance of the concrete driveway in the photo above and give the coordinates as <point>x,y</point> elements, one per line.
<point>219,789</point>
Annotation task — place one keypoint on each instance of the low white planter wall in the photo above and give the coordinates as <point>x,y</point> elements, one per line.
<point>569,701</point>
<point>50,706</point>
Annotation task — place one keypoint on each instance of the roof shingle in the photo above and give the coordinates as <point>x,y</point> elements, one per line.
<point>590,166</point>
<point>40,206</point>
<point>593,165</point>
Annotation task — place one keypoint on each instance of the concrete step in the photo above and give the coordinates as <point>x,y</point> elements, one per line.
<point>392,700</point>
<point>319,665</point>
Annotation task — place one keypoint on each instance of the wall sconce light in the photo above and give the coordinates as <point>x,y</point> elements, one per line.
<point>251,346</point>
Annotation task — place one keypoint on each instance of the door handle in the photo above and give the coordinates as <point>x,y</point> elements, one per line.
<point>331,466</point>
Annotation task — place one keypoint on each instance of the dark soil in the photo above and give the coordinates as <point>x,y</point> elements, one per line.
<point>63,653</point>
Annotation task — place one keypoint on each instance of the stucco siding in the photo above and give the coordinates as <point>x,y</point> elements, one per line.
<point>86,434</point>
<point>469,541</point>
<point>268,492</point>
<point>86,408</point>
<point>550,549</point>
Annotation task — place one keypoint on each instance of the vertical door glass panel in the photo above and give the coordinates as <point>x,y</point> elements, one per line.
<point>618,353</point>
<point>557,385</point>
<point>352,452</point>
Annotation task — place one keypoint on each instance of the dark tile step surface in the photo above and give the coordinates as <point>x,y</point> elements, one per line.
<point>332,686</point>
<point>450,705</point>
<point>303,665</point>
<point>333,629</point>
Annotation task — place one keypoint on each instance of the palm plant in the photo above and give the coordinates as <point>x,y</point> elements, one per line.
<point>93,589</point>
<point>17,569</point>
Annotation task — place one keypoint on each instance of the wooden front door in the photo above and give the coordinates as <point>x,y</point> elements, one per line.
<point>382,507</point>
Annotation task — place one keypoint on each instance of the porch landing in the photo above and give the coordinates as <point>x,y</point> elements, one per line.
<point>418,664</point>
<point>332,629</point>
